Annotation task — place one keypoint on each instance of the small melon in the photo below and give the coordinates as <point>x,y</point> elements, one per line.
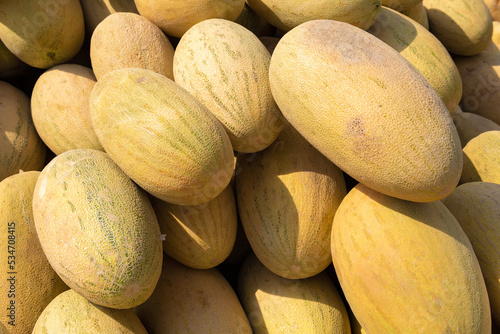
<point>482,158</point>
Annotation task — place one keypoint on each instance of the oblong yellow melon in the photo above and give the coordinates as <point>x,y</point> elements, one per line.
<point>287,196</point>
<point>470,125</point>
<point>161,136</point>
<point>94,11</point>
<point>188,300</point>
<point>463,26</point>
<point>70,312</point>
<point>367,109</point>
<point>60,108</point>
<point>42,33</point>
<point>407,267</point>
<point>278,305</point>
<point>423,50</point>
<point>226,67</point>
<point>476,206</point>
<point>418,13</point>
<point>29,282</point>
<point>286,15</point>
<point>141,44</point>
<point>97,229</point>
<point>20,144</point>
<point>482,158</point>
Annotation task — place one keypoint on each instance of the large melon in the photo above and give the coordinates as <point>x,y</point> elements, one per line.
<point>97,229</point>
<point>161,136</point>
<point>407,267</point>
<point>29,282</point>
<point>482,158</point>
<point>226,67</point>
<point>367,109</point>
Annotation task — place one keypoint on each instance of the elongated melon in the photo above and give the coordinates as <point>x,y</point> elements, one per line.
<point>367,109</point>
<point>161,136</point>
<point>407,267</point>
<point>28,281</point>
<point>97,229</point>
<point>482,158</point>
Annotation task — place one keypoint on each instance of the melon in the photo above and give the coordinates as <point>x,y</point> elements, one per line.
<point>70,312</point>
<point>226,67</point>
<point>463,26</point>
<point>423,50</point>
<point>188,300</point>
<point>287,196</point>
<point>161,136</point>
<point>10,65</point>
<point>279,305</point>
<point>249,19</point>
<point>367,109</point>
<point>98,229</point>
<point>418,13</point>
<point>482,158</point>
<point>60,108</point>
<point>29,282</point>
<point>20,144</point>
<point>42,33</point>
<point>494,9</point>
<point>141,44</point>
<point>94,11</point>
<point>286,15</point>
<point>470,125</point>
<point>401,5</point>
<point>407,267</point>
<point>476,206</point>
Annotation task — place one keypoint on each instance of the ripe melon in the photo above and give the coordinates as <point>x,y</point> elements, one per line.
<point>10,65</point>
<point>407,267</point>
<point>199,236</point>
<point>401,5</point>
<point>278,305</point>
<point>367,109</point>
<point>494,8</point>
<point>286,15</point>
<point>97,229</point>
<point>161,136</point>
<point>29,282</point>
<point>94,11</point>
<point>70,312</point>
<point>141,44</point>
<point>482,158</point>
<point>226,67</point>
<point>20,144</point>
<point>476,206</point>
<point>287,196</point>
<point>60,108</point>
<point>463,26</point>
<point>418,13</point>
<point>188,300</point>
<point>470,125</point>
<point>42,33</point>
<point>423,50</point>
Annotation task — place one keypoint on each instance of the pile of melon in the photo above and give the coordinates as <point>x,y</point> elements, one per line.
<point>258,166</point>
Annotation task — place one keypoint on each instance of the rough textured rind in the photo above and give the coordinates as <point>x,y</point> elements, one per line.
<point>286,15</point>
<point>407,267</point>
<point>60,108</point>
<point>125,40</point>
<point>367,109</point>
<point>463,26</point>
<point>97,229</point>
<point>482,158</point>
<point>226,67</point>
<point>470,125</point>
<point>277,305</point>
<point>199,236</point>
<point>71,313</point>
<point>287,196</point>
<point>423,50</point>
<point>28,281</point>
<point>42,33</point>
<point>476,206</point>
<point>20,145</point>
<point>188,300</point>
<point>161,136</point>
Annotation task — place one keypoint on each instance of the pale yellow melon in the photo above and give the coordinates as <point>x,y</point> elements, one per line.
<point>482,158</point>
<point>470,125</point>
<point>401,5</point>
<point>418,13</point>
<point>94,11</point>
<point>493,7</point>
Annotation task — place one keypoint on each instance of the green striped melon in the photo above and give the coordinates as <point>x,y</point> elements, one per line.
<point>367,109</point>
<point>407,267</point>
<point>29,282</point>
<point>423,50</point>
<point>482,158</point>
<point>226,67</point>
<point>161,136</point>
<point>20,144</point>
<point>276,305</point>
<point>97,229</point>
<point>70,312</point>
<point>287,196</point>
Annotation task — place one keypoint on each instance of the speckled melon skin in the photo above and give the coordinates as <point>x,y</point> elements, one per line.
<point>367,109</point>
<point>407,267</point>
<point>97,229</point>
